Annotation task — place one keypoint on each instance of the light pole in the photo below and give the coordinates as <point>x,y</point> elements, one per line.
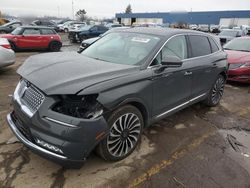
<point>58,9</point>
<point>73,15</point>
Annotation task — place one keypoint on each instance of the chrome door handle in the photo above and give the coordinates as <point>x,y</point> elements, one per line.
<point>187,73</point>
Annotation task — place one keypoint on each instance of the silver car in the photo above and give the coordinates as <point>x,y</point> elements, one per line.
<point>7,55</point>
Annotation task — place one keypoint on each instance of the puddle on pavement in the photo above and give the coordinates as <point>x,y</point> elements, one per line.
<point>239,146</point>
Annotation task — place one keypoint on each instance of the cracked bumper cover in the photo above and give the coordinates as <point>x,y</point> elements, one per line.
<point>75,143</point>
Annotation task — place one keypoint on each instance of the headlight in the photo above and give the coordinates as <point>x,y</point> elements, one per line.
<point>245,65</point>
<point>86,107</point>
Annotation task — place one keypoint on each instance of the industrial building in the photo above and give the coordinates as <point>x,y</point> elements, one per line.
<point>241,17</point>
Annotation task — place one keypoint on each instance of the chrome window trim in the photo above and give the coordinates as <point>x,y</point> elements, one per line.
<point>181,105</point>
<point>192,58</point>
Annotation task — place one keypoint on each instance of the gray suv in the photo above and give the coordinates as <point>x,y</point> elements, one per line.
<point>68,104</point>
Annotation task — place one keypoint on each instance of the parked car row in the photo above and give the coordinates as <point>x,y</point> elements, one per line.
<point>86,32</point>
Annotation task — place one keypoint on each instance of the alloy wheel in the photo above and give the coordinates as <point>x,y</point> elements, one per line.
<point>218,90</point>
<point>124,134</point>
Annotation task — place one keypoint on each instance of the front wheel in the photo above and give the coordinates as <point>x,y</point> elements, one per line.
<point>216,92</point>
<point>126,124</point>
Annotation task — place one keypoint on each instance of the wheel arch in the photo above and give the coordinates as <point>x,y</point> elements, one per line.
<point>140,106</point>
<point>55,41</point>
<point>224,74</point>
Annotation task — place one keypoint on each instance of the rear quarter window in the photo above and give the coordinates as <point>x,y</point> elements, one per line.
<point>214,46</point>
<point>200,45</point>
<point>47,32</point>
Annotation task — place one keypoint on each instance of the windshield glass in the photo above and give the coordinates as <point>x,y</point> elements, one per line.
<point>122,48</point>
<point>239,44</point>
<point>231,33</point>
<point>16,31</point>
<point>85,28</point>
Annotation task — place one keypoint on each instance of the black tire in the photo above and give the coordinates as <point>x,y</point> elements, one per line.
<point>13,46</point>
<point>216,92</point>
<point>82,37</point>
<point>66,30</point>
<point>73,41</point>
<point>55,46</point>
<point>3,32</point>
<point>118,145</point>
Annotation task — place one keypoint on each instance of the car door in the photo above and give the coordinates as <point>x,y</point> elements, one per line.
<point>172,86</point>
<point>93,32</point>
<point>30,38</point>
<point>204,62</point>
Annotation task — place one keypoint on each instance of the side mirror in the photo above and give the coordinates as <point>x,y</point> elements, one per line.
<point>171,62</point>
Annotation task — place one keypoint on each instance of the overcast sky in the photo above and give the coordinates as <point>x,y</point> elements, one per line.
<point>108,8</point>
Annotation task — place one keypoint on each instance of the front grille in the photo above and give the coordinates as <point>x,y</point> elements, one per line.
<point>29,96</point>
<point>21,127</point>
<point>235,65</point>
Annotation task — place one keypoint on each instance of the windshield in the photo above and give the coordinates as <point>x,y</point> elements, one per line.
<point>16,31</point>
<point>122,48</point>
<point>85,28</point>
<point>239,44</point>
<point>231,33</point>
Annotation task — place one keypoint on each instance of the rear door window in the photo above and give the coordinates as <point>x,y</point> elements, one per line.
<point>200,45</point>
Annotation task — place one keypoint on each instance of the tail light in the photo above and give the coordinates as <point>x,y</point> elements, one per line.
<point>7,46</point>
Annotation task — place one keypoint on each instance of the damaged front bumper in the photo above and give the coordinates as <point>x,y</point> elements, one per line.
<point>56,136</point>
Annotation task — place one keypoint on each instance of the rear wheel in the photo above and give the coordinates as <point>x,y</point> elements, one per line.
<point>55,46</point>
<point>66,30</point>
<point>126,124</point>
<point>216,92</point>
<point>82,37</point>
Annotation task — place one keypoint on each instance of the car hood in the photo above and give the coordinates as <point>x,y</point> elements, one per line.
<point>7,36</point>
<point>90,41</point>
<point>70,72</point>
<point>237,56</point>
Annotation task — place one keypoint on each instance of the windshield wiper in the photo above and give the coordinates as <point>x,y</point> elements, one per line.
<point>99,59</point>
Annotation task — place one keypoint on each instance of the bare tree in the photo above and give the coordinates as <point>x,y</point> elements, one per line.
<point>128,9</point>
<point>81,14</point>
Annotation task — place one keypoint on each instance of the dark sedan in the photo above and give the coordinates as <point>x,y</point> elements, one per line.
<point>87,32</point>
<point>45,24</point>
<point>68,104</point>
<point>9,27</point>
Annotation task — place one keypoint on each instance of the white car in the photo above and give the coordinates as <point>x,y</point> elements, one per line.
<point>7,55</point>
<point>77,26</point>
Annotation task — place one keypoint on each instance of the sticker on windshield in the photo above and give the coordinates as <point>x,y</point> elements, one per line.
<point>139,39</point>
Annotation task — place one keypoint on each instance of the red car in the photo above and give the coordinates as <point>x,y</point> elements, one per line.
<point>238,51</point>
<point>34,37</point>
